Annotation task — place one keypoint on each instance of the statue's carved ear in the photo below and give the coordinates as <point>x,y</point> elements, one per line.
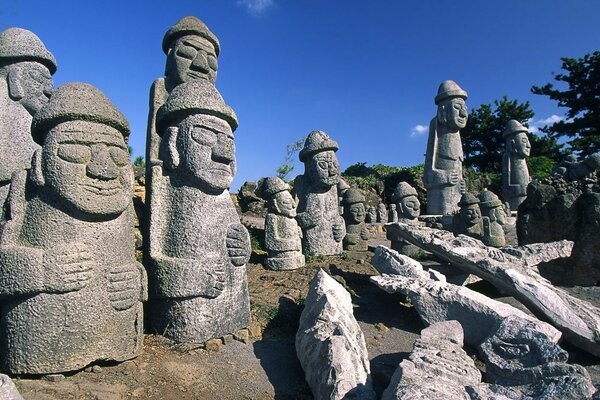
<point>441,114</point>
<point>37,176</point>
<point>15,89</point>
<point>513,146</point>
<point>169,148</point>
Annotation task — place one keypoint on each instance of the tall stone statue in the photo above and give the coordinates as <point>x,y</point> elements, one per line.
<point>354,215</point>
<point>282,233</point>
<point>382,214</point>
<point>392,213</point>
<point>371,215</point>
<point>494,217</point>
<point>408,208</point>
<point>71,288</point>
<point>197,247</point>
<point>515,175</point>
<point>468,220</point>
<point>443,177</point>
<point>316,194</point>
<point>26,69</point>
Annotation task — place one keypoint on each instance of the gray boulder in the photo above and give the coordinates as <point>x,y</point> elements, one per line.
<point>8,390</point>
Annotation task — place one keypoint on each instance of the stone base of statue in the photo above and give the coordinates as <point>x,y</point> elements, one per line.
<point>285,261</point>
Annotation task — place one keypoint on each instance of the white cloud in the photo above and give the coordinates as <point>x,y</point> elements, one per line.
<point>255,7</point>
<point>418,130</point>
<point>534,126</point>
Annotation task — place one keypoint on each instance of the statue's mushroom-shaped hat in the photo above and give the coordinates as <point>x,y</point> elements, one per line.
<point>449,89</point>
<point>467,199</point>
<point>189,26</point>
<point>316,142</point>
<point>273,185</point>
<point>512,128</point>
<point>353,196</point>
<point>489,199</point>
<point>18,44</point>
<point>402,190</point>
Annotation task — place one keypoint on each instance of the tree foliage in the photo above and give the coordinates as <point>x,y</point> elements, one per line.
<point>288,164</point>
<point>582,98</point>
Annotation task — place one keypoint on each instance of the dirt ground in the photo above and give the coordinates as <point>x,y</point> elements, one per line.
<point>266,367</point>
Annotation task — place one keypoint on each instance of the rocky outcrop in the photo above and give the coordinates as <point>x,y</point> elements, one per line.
<point>8,390</point>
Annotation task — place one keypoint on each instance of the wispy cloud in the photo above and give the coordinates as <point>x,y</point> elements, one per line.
<point>256,7</point>
<point>418,130</point>
<point>534,126</point>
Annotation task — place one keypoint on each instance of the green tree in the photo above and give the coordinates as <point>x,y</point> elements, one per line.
<point>139,162</point>
<point>582,98</point>
<point>290,158</point>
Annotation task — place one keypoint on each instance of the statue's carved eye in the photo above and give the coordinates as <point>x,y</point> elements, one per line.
<point>74,153</point>
<point>119,156</point>
<point>188,52</point>
<point>204,136</point>
<point>212,62</point>
<point>323,164</point>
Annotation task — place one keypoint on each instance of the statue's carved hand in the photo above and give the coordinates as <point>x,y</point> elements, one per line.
<point>364,234</point>
<point>338,232</point>
<point>238,244</point>
<point>462,186</point>
<point>453,177</point>
<point>124,286</point>
<point>67,268</point>
<point>216,281</point>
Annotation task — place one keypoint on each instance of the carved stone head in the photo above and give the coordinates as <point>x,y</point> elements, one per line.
<point>280,200</point>
<point>354,207</point>
<point>491,207</point>
<point>452,109</point>
<point>83,165</point>
<point>320,161</point>
<point>192,51</point>
<point>516,139</point>
<point>470,212</point>
<point>197,136</point>
<point>407,202</point>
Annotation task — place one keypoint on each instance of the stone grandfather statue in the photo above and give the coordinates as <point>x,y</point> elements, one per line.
<point>316,194</point>
<point>442,176</point>
<point>197,247</point>
<point>494,217</point>
<point>408,207</point>
<point>382,214</point>
<point>392,213</point>
<point>468,220</point>
<point>515,175</point>
<point>282,233</point>
<point>70,287</point>
<point>26,69</point>
<point>371,215</point>
<point>354,215</point>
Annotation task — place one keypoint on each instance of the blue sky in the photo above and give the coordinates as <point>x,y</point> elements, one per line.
<point>365,72</point>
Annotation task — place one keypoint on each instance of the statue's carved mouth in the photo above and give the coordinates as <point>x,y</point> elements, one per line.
<point>102,188</point>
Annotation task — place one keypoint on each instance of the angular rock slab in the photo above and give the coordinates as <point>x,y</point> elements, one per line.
<point>8,390</point>
<point>512,270</point>
<point>330,345</point>
<point>437,300</point>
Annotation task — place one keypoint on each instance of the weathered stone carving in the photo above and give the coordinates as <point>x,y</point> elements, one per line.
<point>26,69</point>
<point>392,213</point>
<point>8,390</point>
<point>493,217</point>
<point>70,286</point>
<point>573,170</point>
<point>354,215</point>
<point>382,214</point>
<point>282,233</point>
<point>371,216</point>
<point>513,271</point>
<point>437,300</point>
<point>342,187</point>
<point>468,221</point>
<point>519,357</point>
<point>515,175</point>
<point>443,177</point>
<point>197,246</point>
<point>316,194</point>
<point>330,344</point>
<point>409,208</point>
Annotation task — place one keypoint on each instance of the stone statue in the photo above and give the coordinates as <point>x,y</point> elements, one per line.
<point>354,215</point>
<point>197,247</point>
<point>342,187</point>
<point>71,288</point>
<point>316,194</point>
<point>468,220</point>
<point>382,214</point>
<point>443,177</point>
<point>26,69</point>
<point>392,213</point>
<point>494,217</point>
<point>282,233</point>
<point>371,216</point>
<point>515,175</point>
<point>408,208</point>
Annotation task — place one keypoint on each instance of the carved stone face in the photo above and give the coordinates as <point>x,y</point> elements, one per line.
<point>520,145</point>
<point>86,166</point>
<point>191,57</point>
<point>323,169</point>
<point>355,213</point>
<point>471,215</point>
<point>284,204</point>
<point>36,84</point>
<point>495,214</point>
<point>409,207</point>
<point>455,113</point>
<point>206,151</point>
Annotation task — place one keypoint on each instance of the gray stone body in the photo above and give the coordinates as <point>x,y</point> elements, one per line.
<point>392,213</point>
<point>513,271</point>
<point>8,390</point>
<point>315,192</point>
<point>408,208</point>
<point>442,176</point>
<point>493,218</point>
<point>371,216</point>
<point>382,213</point>
<point>330,344</point>
<point>515,174</point>
<point>26,69</point>
<point>71,288</point>
<point>521,358</point>
<point>282,233</point>
<point>357,234</point>
<point>197,247</point>
<point>468,221</point>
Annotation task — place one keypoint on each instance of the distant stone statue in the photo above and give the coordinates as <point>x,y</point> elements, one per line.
<point>282,233</point>
<point>197,247</point>
<point>468,221</point>
<point>408,208</point>
<point>382,214</point>
<point>494,217</point>
<point>392,213</point>
<point>515,175</point>
<point>354,215</point>
<point>26,69</point>
<point>443,177</point>
<point>342,187</point>
<point>316,194</point>
<point>71,288</point>
<point>371,215</point>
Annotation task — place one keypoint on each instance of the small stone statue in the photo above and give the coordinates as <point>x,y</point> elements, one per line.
<point>443,177</point>
<point>316,194</point>
<point>468,221</point>
<point>26,69</point>
<point>197,247</point>
<point>342,187</point>
<point>371,215</point>
<point>382,214</point>
<point>494,217</point>
<point>354,215</point>
<point>515,175</point>
<point>409,208</point>
<point>71,287</point>
<point>282,233</point>
<point>392,213</point>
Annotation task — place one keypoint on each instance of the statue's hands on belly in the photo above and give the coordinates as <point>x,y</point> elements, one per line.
<point>67,268</point>
<point>238,244</point>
